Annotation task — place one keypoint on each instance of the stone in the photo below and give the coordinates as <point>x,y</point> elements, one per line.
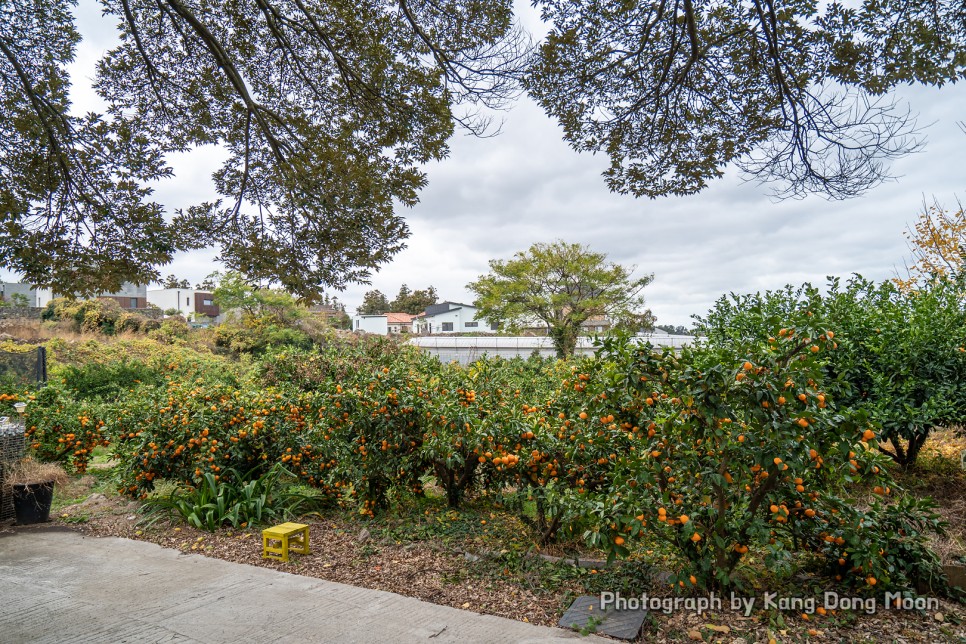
<point>364,536</point>
<point>622,624</point>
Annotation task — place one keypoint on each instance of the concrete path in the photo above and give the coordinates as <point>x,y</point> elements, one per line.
<point>60,586</point>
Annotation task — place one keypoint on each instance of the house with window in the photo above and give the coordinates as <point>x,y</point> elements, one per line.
<point>188,302</point>
<point>384,323</point>
<point>130,296</point>
<point>18,293</point>
<point>451,317</point>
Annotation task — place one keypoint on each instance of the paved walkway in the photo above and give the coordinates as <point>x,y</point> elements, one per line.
<point>60,586</point>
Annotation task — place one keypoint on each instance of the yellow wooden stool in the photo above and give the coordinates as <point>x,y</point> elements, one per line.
<point>294,536</point>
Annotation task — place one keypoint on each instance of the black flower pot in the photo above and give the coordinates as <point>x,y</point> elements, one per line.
<point>31,502</point>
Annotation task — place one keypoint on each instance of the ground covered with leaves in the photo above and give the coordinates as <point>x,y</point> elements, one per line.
<point>479,559</point>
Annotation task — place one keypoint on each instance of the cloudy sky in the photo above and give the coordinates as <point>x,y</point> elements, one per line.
<point>493,197</point>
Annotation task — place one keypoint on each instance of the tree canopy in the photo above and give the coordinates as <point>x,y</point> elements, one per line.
<point>937,241</point>
<point>373,303</point>
<point>561,286</point>
<point>413,302</point>
<point>674,91</point>
<point>327,111</point>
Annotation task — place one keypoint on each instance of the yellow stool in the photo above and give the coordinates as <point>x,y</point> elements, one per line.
<point>294,536</point>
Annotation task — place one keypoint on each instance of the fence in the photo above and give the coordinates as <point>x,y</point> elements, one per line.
<point>12,447</point>
<point>16,370</point>
<point>466,349</point>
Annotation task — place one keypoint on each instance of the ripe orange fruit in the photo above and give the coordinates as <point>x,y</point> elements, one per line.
<point>740,376</point>
<point>868,435</point>
<point>695,537</point>
<point>684,519</point>
<point>778,461</point>
<point>693,580</point>
<point>583,415</point>
<point>872,581</point>
<point>748,366</point>
<point>619,541</point>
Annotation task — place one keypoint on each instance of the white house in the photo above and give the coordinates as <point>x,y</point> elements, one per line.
<point>186,301</point>
<point>378,324</point>
<point>26,292</point>
<point>130,296</point>
<point>451,317</point>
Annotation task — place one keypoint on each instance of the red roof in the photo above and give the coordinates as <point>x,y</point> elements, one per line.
<point>399,318</point>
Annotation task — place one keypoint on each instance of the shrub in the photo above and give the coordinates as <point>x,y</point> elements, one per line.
<point>60,429</point>
<point>902,358</point>
<point>731,449</point>
<point>238,500</point>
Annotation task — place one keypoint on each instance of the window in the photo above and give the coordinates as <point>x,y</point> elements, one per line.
<point>209,302</point>
<point>134,302</point>
<point>494,327</point>
<point>187,301</point>
<point>471,325</point>
<point>447,326</point>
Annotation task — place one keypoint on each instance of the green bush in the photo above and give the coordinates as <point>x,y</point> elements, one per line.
<point>237,500</point>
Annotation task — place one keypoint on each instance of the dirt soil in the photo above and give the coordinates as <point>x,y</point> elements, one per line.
<point>344,552</point>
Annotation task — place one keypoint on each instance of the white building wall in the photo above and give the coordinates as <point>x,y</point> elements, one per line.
<point>378,324</point>
<point>173,298</point>
<point>468,349</point>
<point>459,319</point>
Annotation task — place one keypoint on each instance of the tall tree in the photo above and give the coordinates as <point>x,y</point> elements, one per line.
<point>413,302</point>
<point>373,303</point>
<point>562,285</point>
<point>790,91</point>
<point>327,110</point>
<point>172,281</point>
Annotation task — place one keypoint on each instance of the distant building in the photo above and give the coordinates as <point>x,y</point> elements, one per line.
<point>9,289</point>
<point>399,322</point>
<point>451,317</point>
<point>378,324</point>
<point>186,301</point>
<point>130,296</point>
<point>384,323</point>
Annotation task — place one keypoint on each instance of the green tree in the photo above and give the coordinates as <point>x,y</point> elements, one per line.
<point>236,292</point>
<point>373,303</point>
<point>413,302</point>
<point>901,358</point>
<point>560,285</point>
<point>327,112</point>
<point>790,91</point>
<point>172,281</point>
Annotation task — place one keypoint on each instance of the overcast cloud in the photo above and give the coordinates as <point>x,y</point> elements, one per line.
<point>493,197</point>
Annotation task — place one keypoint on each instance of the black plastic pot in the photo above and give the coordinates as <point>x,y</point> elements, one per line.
<point>31,503</point>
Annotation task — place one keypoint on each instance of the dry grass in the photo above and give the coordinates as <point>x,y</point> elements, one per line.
<point>28,471</point>
<point>939,474</point>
